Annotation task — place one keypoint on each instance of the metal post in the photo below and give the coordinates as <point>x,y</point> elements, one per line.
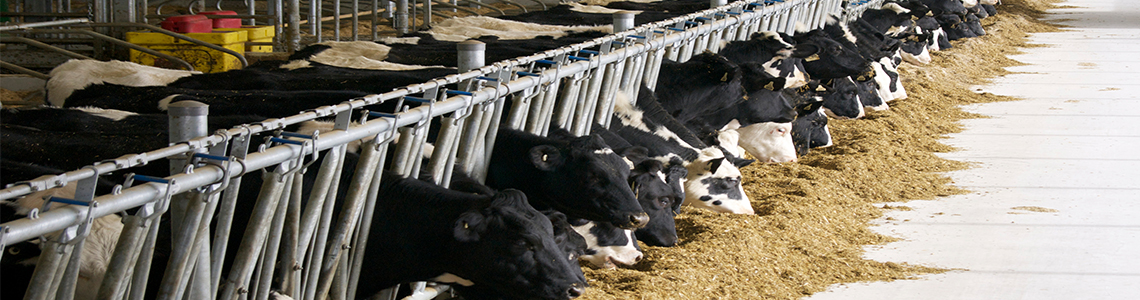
<point>361,240</point>
<point>471,55</point>
<point>623,20</point>
<point>317,243</point>
<point>402,17</point>
<point>717,3</point>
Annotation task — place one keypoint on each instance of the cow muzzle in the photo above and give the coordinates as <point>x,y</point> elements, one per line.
<point>635,221</point>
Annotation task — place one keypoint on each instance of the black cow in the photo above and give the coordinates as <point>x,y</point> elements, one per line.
<point>938,40</point>
<point>975,24</point>
<point>810,128</point>
<point>832,59</point>
<point>74,150</point>
<point>500,242</point>
<point>659,190</point>
<point>574,176</point>
<point>939,7</point>
<point>707,82</point>
<point>777,56</point>
<point>954,26</point>
<point>842,99</point>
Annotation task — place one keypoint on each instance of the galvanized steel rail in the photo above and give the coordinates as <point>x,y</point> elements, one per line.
<point>572,87</point>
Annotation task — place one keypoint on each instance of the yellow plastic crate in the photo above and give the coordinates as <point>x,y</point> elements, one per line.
<point>257,34</point>
<point>202,58</point>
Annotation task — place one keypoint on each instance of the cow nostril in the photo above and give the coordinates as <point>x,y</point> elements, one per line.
<point>637,258</point>
<point>639,220</point>
<point>574,292</point>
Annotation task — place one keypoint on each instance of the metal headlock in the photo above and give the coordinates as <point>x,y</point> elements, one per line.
<point>294,241</point>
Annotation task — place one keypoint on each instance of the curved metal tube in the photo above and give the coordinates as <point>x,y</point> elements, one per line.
<point>515,4</point>
<point>13,67</point>
<point>31,42</point>
<point>501,13</point>
<point>464,9</point>
<point>239,56</point>
<point>119,42</point>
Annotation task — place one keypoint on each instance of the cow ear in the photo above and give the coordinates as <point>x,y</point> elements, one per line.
<point>636,154</point>
<point>546,157</point>
<point>805,50</point>
<point>469,226</point>
<point>511,198</point>
<point>715,164</point>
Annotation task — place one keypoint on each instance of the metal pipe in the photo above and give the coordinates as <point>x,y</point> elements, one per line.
<point>361,240</point>
<point>14,67</point>
<point>240,57</point>
<point>43,24</point>
<point>623,20</point>
<point>291,193</point>
<point>46,269</point>
<point>119,42</point>
<point>10,39</point>
<point>318,243</point>
<point>457,7</point>
<point>401,17</point>
<point>354,200</point>
<point>255,233</point>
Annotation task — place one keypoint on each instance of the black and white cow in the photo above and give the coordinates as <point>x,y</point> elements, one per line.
<point>713,183</point>
<point>309,76</point>
<point>91,119</point>
<point>77,74</point>
<point>954,26</point>
<point>577,177</point>
<point>156,99</point>
<point>809,130</point>
<point>938,39</point>
<point>429,51</point>
<point>940,7</point>
<point>777,56</point>
<point>842,99</point>
<point>578,14</point>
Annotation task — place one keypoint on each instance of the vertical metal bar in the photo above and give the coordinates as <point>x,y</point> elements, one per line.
<point>489,142</point>
<point>547,111</point>
<point>146,256</point>
<point>126,254</point>
<point>355,20</point>
<point>251,9</point>
<point>361,240</point>
<point>354,201</point>
<point>376,18</point>
<point>400,162</point>
<point>320,12</point>
<point>272,244</point>
<point>447,137</point>
<point>336,20</point>
<point>256,232</point>
<point>427,14</point>
<point>314,15</point>
<point>327,196</point>
<point>568,102</point>
<point>46,269</point>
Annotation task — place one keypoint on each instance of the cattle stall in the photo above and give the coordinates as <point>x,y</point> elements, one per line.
<point>572,88</point>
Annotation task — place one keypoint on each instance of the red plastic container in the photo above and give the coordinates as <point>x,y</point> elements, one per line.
<point>188,24</point>
<point>223,23</point>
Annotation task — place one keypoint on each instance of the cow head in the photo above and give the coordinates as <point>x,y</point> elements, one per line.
<point>521,256</point>
<point>564,235</point>
<point>649,180</point>
<point>809,130</point>
<point>842,99</point>
<point>607,246</point>
<point>768,142</point>
<point>765,101</point>
<point>954,27</point>
<point>714,184</point>
<point>869,96</point>
<point>829,58</point>
<point>589,180</point>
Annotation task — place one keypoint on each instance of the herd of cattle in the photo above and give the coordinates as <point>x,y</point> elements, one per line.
<point>548,201</point>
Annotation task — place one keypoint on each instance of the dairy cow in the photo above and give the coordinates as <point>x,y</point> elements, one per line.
<point>574,176</point>
<point>156,99</point>
<point>303,75</point>
<point>76,74</point>
<point>713,183</point>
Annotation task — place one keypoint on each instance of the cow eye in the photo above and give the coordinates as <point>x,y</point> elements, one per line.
<point>663,202</point>
<point>781,130</point>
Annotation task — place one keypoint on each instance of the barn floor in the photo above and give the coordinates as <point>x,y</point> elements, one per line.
<point>1054,211</point>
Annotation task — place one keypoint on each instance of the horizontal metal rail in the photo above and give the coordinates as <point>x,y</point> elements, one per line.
<point>44,24</point>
